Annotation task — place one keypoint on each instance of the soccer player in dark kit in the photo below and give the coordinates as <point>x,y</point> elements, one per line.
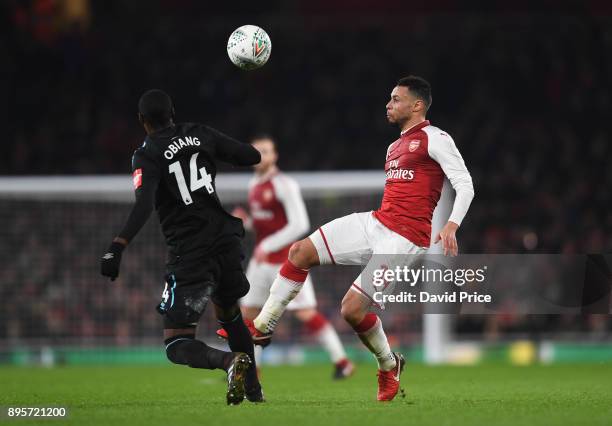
<point>174,170</point>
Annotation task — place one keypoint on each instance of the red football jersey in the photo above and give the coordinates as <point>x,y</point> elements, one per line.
<point>278,214</point>
<point>415,167</point>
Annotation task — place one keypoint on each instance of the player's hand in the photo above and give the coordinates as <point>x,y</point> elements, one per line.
<point>260,255</point>
<point>449,239</point>
<point>240,213</point>
<point>109,264</point>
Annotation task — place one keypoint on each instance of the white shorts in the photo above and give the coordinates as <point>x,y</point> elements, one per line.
<point>353,239</point>
<point>262,275</point>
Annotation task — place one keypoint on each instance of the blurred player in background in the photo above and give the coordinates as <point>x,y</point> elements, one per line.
<point>175,170</point>
<point>415,165</point>
<point>277,214</point>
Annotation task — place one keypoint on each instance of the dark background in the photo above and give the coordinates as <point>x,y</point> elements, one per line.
<point>523,89</point>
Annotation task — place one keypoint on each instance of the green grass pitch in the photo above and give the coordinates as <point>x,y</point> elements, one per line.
<point>489,394</point>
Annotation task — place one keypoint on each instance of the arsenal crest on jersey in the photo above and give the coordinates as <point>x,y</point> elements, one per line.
<point>413,145</point>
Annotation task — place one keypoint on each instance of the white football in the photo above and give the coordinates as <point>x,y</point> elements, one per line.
<point>249,47</point>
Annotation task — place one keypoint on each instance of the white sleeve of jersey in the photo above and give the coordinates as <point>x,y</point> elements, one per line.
<point>443,150</point>
<point>288,193</point>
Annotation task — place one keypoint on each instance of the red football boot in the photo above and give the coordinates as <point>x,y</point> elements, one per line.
<point>389,381</point>
<point>258,337</point>
<point>222,334</point>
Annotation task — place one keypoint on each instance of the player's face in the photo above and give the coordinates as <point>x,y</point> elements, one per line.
<point>401,105</point>
<point>268,154</point>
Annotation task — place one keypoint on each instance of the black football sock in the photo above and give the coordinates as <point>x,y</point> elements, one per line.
<point>186,350</point>
<point>240,340</point>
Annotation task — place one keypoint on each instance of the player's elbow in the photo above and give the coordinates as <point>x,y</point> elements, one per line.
<point>244,156</point>
<point>256,158</point>
<point>465,189</point>
<point>251,158</point>
<point>469,193</point>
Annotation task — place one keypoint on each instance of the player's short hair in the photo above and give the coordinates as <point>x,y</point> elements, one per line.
<point>419,87</point>
<point>156,107</point>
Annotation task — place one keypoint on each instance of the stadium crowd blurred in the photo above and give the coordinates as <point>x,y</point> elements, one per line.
<point>525,96</point>
<point>53,293</point>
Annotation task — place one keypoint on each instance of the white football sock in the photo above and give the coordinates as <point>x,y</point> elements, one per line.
<point>282,291</point>
<point>258,355</point>
<point>376,341</point>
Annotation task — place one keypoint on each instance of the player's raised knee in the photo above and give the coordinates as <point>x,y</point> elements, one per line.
<point>303,254</point>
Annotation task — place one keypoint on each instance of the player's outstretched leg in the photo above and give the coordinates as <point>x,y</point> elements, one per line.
<point>239,340</point>
<point>318,326</point>
<point>288,282</point>
<point>182,348</point>
<point>369,328</point>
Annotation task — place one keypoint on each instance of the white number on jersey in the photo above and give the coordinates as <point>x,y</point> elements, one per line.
<point>165,294</point>
<point>199,178</point>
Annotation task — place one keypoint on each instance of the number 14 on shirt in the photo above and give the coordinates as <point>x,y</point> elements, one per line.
<point>198,178</point>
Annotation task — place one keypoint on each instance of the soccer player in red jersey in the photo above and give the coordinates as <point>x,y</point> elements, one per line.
<point>277,214</point>
<point>415,165</point>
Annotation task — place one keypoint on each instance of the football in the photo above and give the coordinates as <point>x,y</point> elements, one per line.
<point>249,47</point>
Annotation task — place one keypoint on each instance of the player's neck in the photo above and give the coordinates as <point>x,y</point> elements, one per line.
<point>411,123</point>
<point>151,130</point>
<point>265,174</point>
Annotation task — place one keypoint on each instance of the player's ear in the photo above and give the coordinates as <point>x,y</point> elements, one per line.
<point>141,118</point>
<point>172,114</point>
<point>418,106</point>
